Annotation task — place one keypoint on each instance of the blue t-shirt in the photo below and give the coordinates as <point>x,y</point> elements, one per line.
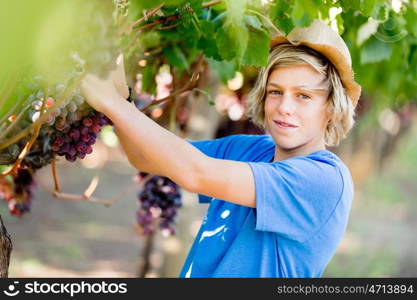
<point>302,209</point>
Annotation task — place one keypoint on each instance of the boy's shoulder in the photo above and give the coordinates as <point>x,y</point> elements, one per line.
<point>249,139</point>
<point>247,145</point>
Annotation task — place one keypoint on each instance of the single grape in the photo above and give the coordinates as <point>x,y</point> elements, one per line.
<point>87,122</point>
<point>74,134</point>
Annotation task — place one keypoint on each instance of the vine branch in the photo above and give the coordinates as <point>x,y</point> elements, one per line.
<point>148,14</point>
<point>57,187</point>
<point>87,195</point>
<point>14,122</point>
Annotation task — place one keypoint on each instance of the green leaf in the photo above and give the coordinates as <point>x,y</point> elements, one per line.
<point>351,4</point>
<point>340,24</point>
<point>146,4</point>
<point>176,57</point>
<point>302,14</point>
<point>381,11</point>
<point>232,41</point>
<point>368,6</point>
<point>366,30</point>
<point>375,50</point>
<point>235,33</point>
<point>298,14</point>
<point>235,10</point>
<point>189,34</point>
<point>148,79</point>
<point>173,36</point>
<point>168,3</point>
<point>226,45</point>
<point>207,43</point>
<point>135,10</point>
<point>279,14</point>
<point>208,28</point>
<point>285,24</point>
<point>323,9</point>
<point>257,52</point>
<point>225,70</point>
<point>279,8</point>
<point>253,21</point>
<point>410,16</point>
<point>412,61</point>
<point>209,48</point>
<point>196,6</point>
<point>393,30</point>
<point>150,39</point>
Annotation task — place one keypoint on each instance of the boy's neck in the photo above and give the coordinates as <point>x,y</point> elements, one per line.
<point>302,150</point>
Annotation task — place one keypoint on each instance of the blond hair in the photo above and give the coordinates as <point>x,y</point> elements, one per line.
<point>339,105</point>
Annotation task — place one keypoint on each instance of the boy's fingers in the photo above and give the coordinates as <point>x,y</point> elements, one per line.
<point>119,73</point>
<point>89,79</point>
<point>119,77</point>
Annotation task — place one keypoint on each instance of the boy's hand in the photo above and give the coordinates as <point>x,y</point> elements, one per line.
<point>102,94</point>
<point>119,77</point>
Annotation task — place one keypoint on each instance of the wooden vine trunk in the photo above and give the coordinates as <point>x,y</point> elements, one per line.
<point>5,250</point>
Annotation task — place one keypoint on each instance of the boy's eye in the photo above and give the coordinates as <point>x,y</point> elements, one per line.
<point>274,92</point>
<point>304,96</point>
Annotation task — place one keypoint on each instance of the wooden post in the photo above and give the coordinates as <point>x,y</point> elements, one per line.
<point>5,250</point>
<point>145,263</point>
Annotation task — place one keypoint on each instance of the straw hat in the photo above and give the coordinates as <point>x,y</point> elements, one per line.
<point>322,38</point>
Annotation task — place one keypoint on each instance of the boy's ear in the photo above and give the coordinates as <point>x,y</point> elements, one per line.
<point>328,111</point>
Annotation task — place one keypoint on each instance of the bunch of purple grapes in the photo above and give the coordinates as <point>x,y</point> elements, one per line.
<point>21,200</point>
<point>69,109</point>
<point>159,199</point>
<point>75,140</point>
<point>40,153</point>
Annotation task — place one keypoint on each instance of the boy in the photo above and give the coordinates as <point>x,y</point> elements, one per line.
<point>279,203</point>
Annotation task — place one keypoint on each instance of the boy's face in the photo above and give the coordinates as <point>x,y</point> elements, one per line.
<point>296,95</point>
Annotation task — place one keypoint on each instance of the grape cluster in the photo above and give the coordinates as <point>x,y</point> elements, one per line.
<point>68,110</point>
<point>72,126</point>
<point>75,140</point>
<point>69,131</point>
<point>9,154</point>
<point>40,153</point>
<point>18,194</point>
<point>159,199</point>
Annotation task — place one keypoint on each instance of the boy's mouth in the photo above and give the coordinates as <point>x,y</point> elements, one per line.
<point>284,124</point>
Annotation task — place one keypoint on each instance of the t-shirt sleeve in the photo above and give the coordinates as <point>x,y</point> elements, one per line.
<point>216,148</point>
<point>297,196</point>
